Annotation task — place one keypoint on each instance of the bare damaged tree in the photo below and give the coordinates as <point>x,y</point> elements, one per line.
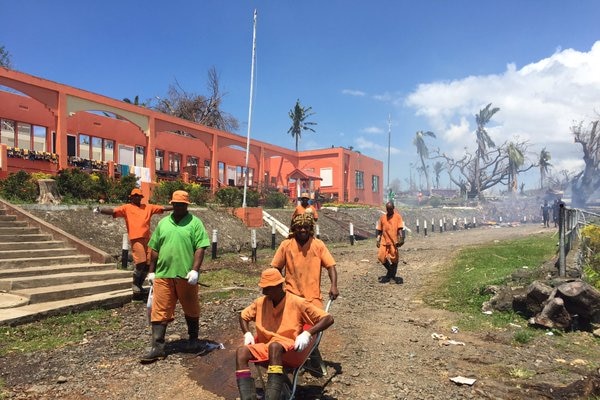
<point>198,108</point>
<point>5,58</point>
<point>494,166</point>
<point>586,182</point>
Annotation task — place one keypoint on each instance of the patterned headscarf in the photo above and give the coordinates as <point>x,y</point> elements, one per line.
<point>305,219</point>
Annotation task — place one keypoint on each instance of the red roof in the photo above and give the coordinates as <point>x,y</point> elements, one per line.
<point>304,175</point>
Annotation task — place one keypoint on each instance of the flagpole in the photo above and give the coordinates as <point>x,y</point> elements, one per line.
<point>388,163</point>
<point>250,109</point>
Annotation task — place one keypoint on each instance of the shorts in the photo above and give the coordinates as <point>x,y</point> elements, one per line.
<point>166,293</point>
<point>140,251</point>
<point>291,358</point>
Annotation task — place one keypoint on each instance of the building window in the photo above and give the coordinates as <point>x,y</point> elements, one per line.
<point>84,146</point>
<point>375,183</point>
<point>159,159</point>
<point>359,179</point>
<point>23,136</point>
<point>174,162</point>
<point>139,156</point>
<point>109,150</point>
<point>96,149</point>
<point>39,138</point>
<point>221,167</point>
<point>7,132</point>
<point>207,168</point>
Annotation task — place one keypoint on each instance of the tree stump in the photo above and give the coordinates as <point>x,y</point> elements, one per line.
<point>48,192</point>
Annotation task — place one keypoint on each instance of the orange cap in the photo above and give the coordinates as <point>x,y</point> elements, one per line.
<point>180,196</point>
<point>136,192</point>
<point>270,277</point>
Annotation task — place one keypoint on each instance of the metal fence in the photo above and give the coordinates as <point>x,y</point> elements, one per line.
<point>570,221</point>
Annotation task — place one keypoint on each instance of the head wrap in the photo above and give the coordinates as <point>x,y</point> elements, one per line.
<point>305,219</point>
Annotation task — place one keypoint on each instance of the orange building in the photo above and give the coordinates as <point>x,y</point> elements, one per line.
<point>47,126</point>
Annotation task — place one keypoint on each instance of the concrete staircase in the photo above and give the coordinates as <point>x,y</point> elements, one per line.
<point>44,271</point>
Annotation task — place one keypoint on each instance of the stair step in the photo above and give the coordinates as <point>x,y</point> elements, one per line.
<point>33,312</point>
<point>31,253</point>
<point>32,262</point>
<point>55,269</point>
<point>4,217</point>
<point>27,282</point>
<point>25,230</point>
<point>48,244</point>
<point>36,237</point>
<point>65,291</point>
<point>13,224</point>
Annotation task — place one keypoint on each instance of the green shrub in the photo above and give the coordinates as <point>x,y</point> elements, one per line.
<point>19,187</point>
<point>163,191</point>
<point>276,200</point>
<point>198,194</point>
<point>74,184</point>
<point>591,253</point>
<point>252,198</point>
<point>229,197</point>
<point>120,189</point>
<point>435,201</point>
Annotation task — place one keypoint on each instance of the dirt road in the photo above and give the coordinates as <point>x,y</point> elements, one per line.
<point>380,347</point>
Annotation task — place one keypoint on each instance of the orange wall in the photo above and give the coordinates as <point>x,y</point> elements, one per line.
<point>47,108</point>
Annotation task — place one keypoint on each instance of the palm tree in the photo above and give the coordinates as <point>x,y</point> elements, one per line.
<point>298,115</point>
<point>515,161</point>
<point>423,152</point>
<point>484,141</point>
<point>438,167</point>
<point>544,164</point>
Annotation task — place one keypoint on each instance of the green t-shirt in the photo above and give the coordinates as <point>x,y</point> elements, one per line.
<point>176,244</point>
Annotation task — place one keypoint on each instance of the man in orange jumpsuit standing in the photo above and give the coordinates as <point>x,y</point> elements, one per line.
<point>279,317</point>
<point>304,207</point>
<point>390,236</point>
<point>137,220</point>
<point>303,256</point>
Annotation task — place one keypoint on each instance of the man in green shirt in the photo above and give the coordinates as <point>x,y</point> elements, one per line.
<point>177,251</point>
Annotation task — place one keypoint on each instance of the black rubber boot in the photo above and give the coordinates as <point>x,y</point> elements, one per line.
<point>387,277</point>
<point>316,363</point>
<point>274,386</point>
<point>247,388</point>
<point>157,351</point>
<point>193,325</point>
<point>139,276</point>
<point>393,271</point>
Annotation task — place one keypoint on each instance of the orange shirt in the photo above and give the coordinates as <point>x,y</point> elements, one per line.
<point>137,219</point>
<point>281,323</point>
<point>303,266</point>
<point>389,227</point>
<point>301,210</point>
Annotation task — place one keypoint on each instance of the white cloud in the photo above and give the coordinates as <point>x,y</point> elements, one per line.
<point>538,103</point>
<point>374,149</point>
<point>351,92</point>
<point>373,130</point>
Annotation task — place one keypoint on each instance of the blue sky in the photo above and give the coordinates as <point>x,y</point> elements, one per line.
<point>430,65</point>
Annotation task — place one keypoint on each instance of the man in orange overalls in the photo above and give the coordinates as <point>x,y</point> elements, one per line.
<point>279,317</point>
<point>390,236</point>
<point>137,220</point>
<point>305,207</point>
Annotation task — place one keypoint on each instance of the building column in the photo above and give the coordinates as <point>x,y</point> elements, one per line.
<point>61,130</point>
<point>214,166</point>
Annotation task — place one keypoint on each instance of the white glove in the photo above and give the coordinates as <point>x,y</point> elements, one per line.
<point>192,277</point>
<point>96,210</point>
<point>302,341</point>
<point>151,277</point>
<point>248,338</point>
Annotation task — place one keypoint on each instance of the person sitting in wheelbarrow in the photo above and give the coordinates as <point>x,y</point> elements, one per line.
<point>285,324</point>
